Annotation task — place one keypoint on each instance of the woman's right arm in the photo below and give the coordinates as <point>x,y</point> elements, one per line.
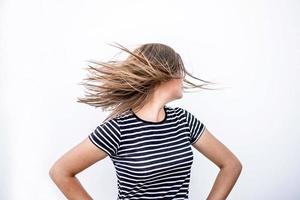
<point>75,160</point>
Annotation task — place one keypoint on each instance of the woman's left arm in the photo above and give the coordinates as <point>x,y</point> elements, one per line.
<point>229,164</point>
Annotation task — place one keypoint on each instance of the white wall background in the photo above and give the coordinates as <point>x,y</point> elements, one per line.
<point>252,47</point>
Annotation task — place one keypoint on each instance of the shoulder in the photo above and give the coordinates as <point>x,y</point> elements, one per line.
<point>189,116</point>
<point>180,111</point>
<point>109,127</point>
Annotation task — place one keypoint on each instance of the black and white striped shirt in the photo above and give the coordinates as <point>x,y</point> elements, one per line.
<point>152,159</point>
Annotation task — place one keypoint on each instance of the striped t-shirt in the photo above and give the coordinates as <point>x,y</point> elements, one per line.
<point>152,159</point>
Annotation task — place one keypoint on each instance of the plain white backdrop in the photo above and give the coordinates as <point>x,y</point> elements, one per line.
<point>251,47</point>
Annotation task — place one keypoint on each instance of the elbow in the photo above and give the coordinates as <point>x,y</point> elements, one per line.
<point>53,173</point>
<point>237,166</point>
<point>57,173</point>
<point>234,164</point>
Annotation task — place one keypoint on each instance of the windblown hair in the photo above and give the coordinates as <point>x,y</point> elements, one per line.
<point>118,85</point>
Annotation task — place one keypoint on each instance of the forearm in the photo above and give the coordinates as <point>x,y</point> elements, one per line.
<point>71,188</point>
<point>224,182</point>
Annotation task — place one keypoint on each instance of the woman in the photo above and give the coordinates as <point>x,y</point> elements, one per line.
<point>148,141</point>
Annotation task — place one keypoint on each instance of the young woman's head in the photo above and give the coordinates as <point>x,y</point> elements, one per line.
<point>131,83</point>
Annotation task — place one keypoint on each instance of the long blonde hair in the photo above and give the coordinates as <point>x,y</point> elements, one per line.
<point>118,85</point>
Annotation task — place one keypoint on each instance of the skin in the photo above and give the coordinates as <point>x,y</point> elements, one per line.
<point>83,155</point>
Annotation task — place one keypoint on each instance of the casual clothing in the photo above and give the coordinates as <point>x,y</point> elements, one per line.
<point>152,159</point>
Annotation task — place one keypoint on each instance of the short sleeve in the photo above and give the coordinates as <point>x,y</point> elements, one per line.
<point>195,126</point>
<point>107,137</point>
